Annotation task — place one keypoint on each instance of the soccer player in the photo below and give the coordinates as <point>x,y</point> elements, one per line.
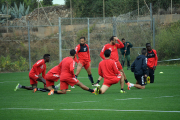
<point>151,62</point>
<point>125,51</point>
<point>34,75</point>
<point>109,71</point>
<point>139,67</point>
<point>67,76</point>
<point>113,46</point>
<point>82,50</point>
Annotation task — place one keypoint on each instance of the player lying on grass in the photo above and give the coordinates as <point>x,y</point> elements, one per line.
<point>34,75</point>
<point>109,71</point>
<point>113,46</point>
<point>82,50</point>
<point>67,76</point>
<point>139,67</point>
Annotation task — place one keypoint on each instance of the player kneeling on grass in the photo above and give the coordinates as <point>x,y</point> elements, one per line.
<point>139,67</point>
<point>34,75</point>
<point>67,76</point>
<point>109,71</point>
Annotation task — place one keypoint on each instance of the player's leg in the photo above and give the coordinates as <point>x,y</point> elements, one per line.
<point>87,66</point>
<point>84,87</point>
<point>103,89</point>
<point>128,62</point>
<point>123,61</point>
<point>141,82</point>
<point>151,74</point>
<point>122,83</point>
<point>79,67</point>
<point>19,86</point>
<point>99,79</point>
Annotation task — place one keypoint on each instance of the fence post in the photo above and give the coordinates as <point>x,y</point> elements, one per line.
<point>88,35</point>
<point>151,16</point>
<point>154,33</point>
<point>114,26</point>
<point>60,41</point>
<point>29,47</point>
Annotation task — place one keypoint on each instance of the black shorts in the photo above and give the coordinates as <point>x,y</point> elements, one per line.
<point>141,80</point>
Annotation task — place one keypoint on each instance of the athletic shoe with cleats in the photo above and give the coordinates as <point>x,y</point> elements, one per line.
<point>51,92</point>
<point>17,87</point>
<point>72,87</point>
<point>96,85</point>
<point>96,91</point>
<point>122,91</point>
<point>34,90</point>
<point>129,85</point>
<point>57,86</point>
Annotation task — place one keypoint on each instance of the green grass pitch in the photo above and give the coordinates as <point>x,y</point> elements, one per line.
<point>158,101</point>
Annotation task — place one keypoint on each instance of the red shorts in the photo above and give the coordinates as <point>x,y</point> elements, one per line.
<point>119,65</point>
<point>67,81</point>
<point>85,64</point>
<point>51,78</point>
<point>113,80</point>
<point>33,78</point>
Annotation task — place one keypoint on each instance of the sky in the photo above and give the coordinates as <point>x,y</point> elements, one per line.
<point>61,2</point>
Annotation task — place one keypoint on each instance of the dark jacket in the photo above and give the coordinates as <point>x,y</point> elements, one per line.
<point>126,48</point>
<point>139,66</point>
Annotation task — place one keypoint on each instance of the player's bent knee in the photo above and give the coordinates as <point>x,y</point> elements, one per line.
<point>142,87</point>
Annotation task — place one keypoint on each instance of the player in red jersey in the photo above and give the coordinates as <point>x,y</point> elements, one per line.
<point>34,75</point>
<point>67,76</point>
<point>151,62</point>
<point>82,50</point>
<point>109,71</point>
<point>113,46</point>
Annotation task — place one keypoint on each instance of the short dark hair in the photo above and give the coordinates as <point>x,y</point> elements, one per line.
<point>107,53</point>
<point>112,38</point>
<point>72,52</point>
<point>83,38</point>
<point>122,39</point>
<point>148,44</point>
<point>143,51</point>
<point>46,55</point>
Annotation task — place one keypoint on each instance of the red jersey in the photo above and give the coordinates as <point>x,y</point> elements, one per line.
<point>83,52</point>
<point>54,70</point>
<point>67,68</point>
<point>152,58</point>
<point>108,69</point>
<point>114,51</point>
<point>39,67</point>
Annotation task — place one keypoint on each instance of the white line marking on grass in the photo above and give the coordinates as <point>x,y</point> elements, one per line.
<point>120,110</point>
<point>89,101</point>
<point>164,96</point>
<point>129,99</point>
<point>76,102</point>
<point>24,109</point>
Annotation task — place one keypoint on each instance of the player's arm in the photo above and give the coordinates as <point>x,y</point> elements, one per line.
<point>77,50</point>
<point>88,52</point>
<point>36,65</point>
<point>115,68</point>
<point>72,65</point>
<point>130,45</point>
<point>100,70</point>
<point>44,72</point>
<point>144,66</point>
<point>156,60</point>
<point>102,52</point>
<point>120,45</point>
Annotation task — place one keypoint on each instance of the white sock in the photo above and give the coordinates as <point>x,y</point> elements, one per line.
<point>132,85</point>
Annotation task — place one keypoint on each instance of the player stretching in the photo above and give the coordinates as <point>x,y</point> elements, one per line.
<point>34,75</point>
<point>82,50</point>
<point>109,71</point>
<point>113,46</point>
<point>67,76</point>
<point>151,62</point>
<point>139,67</point>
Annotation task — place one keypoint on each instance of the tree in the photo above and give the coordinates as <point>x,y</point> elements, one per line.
<point>47,2</point>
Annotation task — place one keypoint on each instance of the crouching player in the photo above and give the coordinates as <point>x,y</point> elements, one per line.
<point>109,71</point>
<point>139,67</point>
<point>67,76</point>
<point>34,75</point>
